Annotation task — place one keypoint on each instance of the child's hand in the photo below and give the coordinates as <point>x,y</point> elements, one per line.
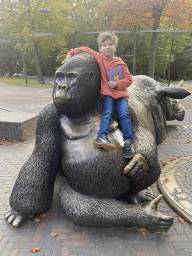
<point>67,58</point>
<point>112,84</point>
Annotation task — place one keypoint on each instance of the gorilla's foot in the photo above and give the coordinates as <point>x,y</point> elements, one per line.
<point>156,222</point>
<point>142,196</point>
<point>14,218</point>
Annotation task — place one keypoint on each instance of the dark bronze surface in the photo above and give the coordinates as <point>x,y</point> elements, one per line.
<point>175,183</point>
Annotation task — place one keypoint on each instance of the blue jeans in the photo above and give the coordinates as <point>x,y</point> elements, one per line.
<point>123,113</point>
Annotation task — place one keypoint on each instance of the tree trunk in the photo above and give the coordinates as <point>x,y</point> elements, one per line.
<point>24,64</point>
<point>38,64</point>
<point>152,52</point>
<point>157,12</point>
<point>170,56</point>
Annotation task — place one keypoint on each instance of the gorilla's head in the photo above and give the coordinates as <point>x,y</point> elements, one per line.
<point>77,85</point>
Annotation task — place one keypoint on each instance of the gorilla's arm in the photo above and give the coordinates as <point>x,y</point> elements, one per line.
<point>33,189</point>
<point>144,168</point>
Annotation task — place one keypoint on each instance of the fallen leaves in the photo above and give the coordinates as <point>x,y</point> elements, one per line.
<point>6,191</point>
<point>166,180</point>
<point>6,142</point>
<point>42,215</point>
<point>162,163</point>
<point>188,141</point>
<point>54,234</point>
<point>35,249</point>
<point>143,230</point>
<point>37,219</point>
<point>181,220</point>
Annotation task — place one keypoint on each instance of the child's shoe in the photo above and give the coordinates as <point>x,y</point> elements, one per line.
<point>128,149</point>
<point>103,142</point>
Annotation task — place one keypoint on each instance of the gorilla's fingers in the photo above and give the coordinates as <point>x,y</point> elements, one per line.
<point>150,197</point>
<point>141,173</point>
<point>165,218</point>
<point>154,202</point>
<point>130,166</point>
<point>137,166</point>
<point>7,214</point>
<point>18,221</point>
<point>149,194</point>
<point>137,173</point>
<point>165,225</point>
<point>11,219</point>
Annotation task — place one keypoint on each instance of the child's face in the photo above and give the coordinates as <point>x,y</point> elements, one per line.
<point>107,49</point>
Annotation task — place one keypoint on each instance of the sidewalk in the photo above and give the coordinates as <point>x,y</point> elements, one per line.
<point>72,240</point>
<point>19,109</point>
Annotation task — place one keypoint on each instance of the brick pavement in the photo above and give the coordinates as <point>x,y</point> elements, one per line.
<point>84,241</point>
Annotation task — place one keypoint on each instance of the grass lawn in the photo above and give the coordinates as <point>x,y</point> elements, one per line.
<point>21,81</point>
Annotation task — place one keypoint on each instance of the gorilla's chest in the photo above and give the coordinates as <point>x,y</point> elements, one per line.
<point>89,170</point>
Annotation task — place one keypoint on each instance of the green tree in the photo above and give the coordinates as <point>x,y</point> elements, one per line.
<point>86,16</point>
<point>182,64</point>
<point>149,14</point>
<point>41,32</point>
<point>169,45</point>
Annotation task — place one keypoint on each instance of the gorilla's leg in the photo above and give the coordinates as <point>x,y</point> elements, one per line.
<point>91,211</point>
<point>33,189</point>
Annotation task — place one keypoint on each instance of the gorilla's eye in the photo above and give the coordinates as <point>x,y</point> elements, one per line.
<point>72,75</point>
<point>59,77</point>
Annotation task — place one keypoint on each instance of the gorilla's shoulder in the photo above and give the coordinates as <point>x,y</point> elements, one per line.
<point>49,110</point>
<point>49,117</point>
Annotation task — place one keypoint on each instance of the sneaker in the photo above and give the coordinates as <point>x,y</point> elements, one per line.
<point>103,142</point>
<point>128,150</point>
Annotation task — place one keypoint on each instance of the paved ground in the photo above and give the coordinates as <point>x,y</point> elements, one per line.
<point>25,99</point>
<point>74,240</point>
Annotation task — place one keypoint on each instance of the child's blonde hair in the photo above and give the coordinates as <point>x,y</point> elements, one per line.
<point>106,35</point>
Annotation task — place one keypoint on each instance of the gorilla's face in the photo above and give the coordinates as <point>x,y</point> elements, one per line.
<point>77,85</point>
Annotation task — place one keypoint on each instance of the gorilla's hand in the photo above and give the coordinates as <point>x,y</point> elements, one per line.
<point>155,221</point>
<point>136,168</point>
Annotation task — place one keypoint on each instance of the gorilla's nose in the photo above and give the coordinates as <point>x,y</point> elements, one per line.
<point>63,85</point>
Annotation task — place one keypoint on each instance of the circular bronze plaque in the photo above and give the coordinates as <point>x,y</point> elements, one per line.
<point>175,183</point>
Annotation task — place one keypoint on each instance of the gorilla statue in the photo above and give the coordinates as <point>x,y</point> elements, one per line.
<point>101,188</point>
